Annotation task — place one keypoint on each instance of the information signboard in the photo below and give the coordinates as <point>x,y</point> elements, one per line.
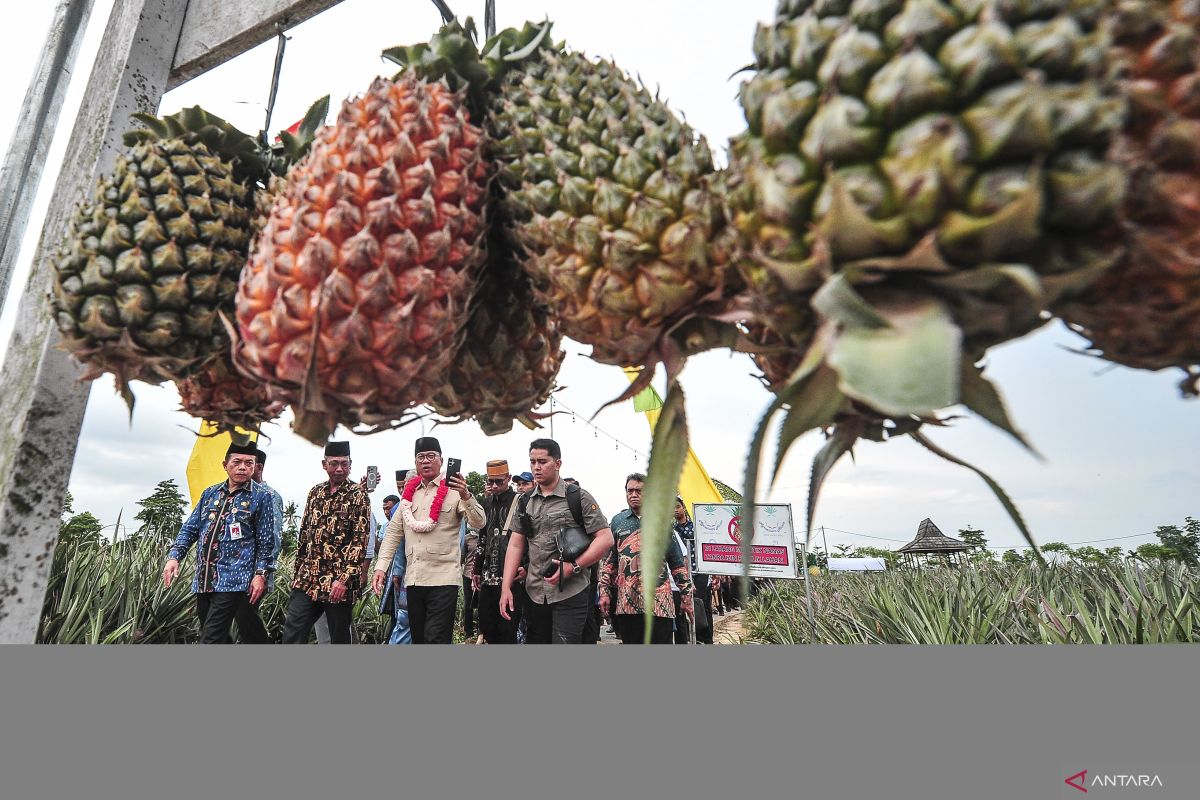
<point>719,540</point>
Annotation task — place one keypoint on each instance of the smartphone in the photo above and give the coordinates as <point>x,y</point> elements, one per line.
<point>372,477</point>
<point>453,467</point>
<point>550,570</point>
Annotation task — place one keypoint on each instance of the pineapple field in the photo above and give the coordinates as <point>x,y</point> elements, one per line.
<point>917,182</point>
<point>1129,602</point>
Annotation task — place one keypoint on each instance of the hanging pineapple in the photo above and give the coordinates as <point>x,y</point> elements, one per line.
<point>153,256</point>
<point>354,299</point>
<point>1145,312</point>
<point>918,180</point>
<point>218,392</point>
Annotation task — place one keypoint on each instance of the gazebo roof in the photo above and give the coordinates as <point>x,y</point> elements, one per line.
<point>931,540</point>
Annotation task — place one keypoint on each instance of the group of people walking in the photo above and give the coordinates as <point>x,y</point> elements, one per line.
<point>537,559</point>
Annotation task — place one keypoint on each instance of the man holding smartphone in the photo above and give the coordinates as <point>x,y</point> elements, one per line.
<point>432,507</point>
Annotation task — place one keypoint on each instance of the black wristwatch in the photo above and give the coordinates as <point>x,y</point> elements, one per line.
<point>575,566</point>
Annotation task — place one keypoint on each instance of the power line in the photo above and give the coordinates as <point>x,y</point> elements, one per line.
<point>619,442</point>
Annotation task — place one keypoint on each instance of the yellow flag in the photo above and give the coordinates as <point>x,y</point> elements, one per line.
<point>208,454</point>
<point>695,486</point>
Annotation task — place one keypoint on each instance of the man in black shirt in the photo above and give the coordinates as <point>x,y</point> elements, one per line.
<point>488,571</point>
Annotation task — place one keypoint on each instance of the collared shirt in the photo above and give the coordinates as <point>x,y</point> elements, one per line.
<point>551,514</point>
<point>234,535</point>
<point>493,537</point>
<point>621,576</point>
<point>277,520</point>
<point>433,558</point>
<point>333,538</point>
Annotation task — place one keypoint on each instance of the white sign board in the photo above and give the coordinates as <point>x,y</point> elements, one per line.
<point>857,565</point>
<point>719,541</point>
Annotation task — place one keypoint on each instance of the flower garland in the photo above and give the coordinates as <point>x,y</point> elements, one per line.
<point>435,509</point>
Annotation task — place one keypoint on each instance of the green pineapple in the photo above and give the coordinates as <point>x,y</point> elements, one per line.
<point>918,181</point>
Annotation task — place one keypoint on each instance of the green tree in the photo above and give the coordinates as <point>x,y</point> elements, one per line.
<point>475,484</point>
<point>890,557</point>
<point>80,530</point>
<point>728,493</point>
<point>1013,558</point>
<point>980,553</point>
<point>1181,544</point>
<point>291,529</point>
<point>161,513</point>
<point>1151,552</point>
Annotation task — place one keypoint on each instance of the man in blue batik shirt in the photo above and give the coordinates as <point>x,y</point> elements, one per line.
<point>233,528</point>
<point>250,626</point>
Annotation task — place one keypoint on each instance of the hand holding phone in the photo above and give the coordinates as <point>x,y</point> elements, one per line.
<point>453,467</point>
<point>372,478</point>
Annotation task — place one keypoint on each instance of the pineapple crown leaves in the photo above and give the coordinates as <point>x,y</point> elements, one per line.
<point>294,146</point>
<point>452,54</point>
<point>222,139</point>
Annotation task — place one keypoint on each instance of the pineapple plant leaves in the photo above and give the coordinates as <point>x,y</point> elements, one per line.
<point>1000,494</point>
<point>668,451</point>
<point>295,146</point>
<point>909,367</point>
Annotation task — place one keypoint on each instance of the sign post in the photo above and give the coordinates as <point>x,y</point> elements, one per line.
<point>719,540</point>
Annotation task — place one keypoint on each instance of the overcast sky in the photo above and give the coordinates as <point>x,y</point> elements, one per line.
<point>1120,446</point>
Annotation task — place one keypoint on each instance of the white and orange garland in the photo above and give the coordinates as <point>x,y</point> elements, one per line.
<point>411,523</point>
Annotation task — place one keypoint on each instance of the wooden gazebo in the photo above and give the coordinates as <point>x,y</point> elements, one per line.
<point>932,542</point>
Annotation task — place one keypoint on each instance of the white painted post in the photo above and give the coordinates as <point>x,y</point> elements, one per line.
<point>149,46</point>
<point>43,400</point>
<point>26,157</point>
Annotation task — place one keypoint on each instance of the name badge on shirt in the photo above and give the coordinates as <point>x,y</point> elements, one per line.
<point>235,530</point>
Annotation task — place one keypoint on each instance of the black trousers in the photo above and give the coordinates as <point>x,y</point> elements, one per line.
<point>494,627</point>
<point>683,627</point>
<point>631,628</point>
<point>303,612</point>
<point>251,629</point>
<point>704,623</point>
<point>558,623</point>
<point>469,601</point>
<point>431,613</point>
<point>591,626</point>
<point>217,611</point>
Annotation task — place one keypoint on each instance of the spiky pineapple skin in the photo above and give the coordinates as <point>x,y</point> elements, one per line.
<point>511,350</point>
<point>220,394</point>
<point>1145,312</point>
<point>150,260</point>
<point>611,199</point>
<point>924,148</point>
<point>355,296</point>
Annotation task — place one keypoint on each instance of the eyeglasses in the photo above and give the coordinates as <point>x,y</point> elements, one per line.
<point>427,457</point>
<point>496,481</point>
<point>338,464</point>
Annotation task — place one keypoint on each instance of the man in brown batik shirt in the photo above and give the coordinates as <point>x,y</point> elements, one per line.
<point>329,553</point>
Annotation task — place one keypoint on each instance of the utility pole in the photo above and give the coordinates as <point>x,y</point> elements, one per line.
<point>826,544</point>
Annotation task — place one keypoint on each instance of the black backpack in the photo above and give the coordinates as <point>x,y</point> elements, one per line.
<point>574,502</point>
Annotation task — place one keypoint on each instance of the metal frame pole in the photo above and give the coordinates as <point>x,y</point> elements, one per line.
<point>44,401</point>
<point>26,159</point>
